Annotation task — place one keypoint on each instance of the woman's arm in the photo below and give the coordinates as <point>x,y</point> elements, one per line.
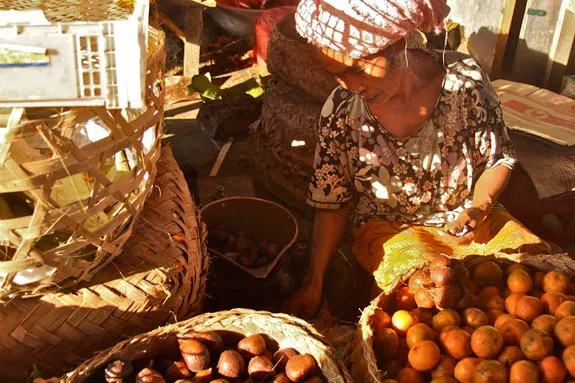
<point>328,230</point>
<point>488,188</point>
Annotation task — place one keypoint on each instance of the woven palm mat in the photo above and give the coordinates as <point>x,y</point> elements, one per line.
<point>159,278</point>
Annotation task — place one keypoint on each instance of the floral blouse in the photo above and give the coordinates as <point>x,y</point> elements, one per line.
<point>424,179</point>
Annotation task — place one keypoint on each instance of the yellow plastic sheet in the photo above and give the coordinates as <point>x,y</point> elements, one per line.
<point>389,250</point>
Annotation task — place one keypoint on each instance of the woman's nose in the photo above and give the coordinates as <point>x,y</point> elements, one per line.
<point>351,85</point>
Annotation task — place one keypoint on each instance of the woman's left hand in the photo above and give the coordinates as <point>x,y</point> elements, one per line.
<point>468,219</point>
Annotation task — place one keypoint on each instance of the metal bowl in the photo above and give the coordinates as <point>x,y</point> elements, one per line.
<point>262,218</point>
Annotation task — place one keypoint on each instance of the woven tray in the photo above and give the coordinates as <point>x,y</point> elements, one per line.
<point>79,176</point>
<point>360,357</point>
<point>160,277</point>
<point>288,331</point>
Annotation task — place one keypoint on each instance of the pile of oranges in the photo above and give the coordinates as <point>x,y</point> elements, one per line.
<point>515,324</point>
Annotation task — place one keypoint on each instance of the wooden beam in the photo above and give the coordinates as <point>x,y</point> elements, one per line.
<point>502,36</point>
<point>171,26</point>
<point>194,25</point>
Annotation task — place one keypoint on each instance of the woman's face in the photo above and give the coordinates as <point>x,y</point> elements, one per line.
<point>373,77</point>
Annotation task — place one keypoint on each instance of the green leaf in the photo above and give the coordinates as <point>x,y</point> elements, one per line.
<point>250,86</point>
<point>203,85</point>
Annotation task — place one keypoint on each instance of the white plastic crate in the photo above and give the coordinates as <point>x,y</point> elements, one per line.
<point>93,53</point>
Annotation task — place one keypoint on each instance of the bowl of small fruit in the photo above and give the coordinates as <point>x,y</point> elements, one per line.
<point>251,233</point>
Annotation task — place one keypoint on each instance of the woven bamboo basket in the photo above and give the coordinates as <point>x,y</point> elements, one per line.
<point>286,330</point>
<point>294,61</point>
<point>360,357</point>
<point>72,180</point>
<point>288,115</point>
<point>160,278</point>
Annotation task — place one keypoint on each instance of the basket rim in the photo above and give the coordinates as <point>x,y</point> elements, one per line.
<point>264,271</point>
<point>205,322</point>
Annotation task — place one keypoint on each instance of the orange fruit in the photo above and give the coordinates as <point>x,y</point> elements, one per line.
<point>545,323</point>
<point>402,351</point>
<point>488,291</point>
<point>505,292</point>
<point>465,368</point>
<point>538,279</point>
<point>443,379</point>
<point>474,317</point>
<point>404,299</point>
<point>445,318</point>
<point>423,315</point>
<point>528,308</point>
<point>551,301</point>
<point>512,331</point>
<point>565,309</point>
<point>511,302</point>
<point>565,331</point>
<point>493,315</point>
<point>417,333</point>
<point>409,375</point>
<point>536,344</point>
<point>424,356</point>
<point>391,368</point>
<point>457,343</point>
<point>569,359</point>
<point>490,371</point>
<point>468,329</point>
<point>517,266</point>
<point>443,333</point>
<point>552,370</point>
<point>488,274</point>
<point>402,320</point>
<point>380,319</point>
<point>556,281</point>
<point>502,319</point>
<point>494,302</point>
<point>445,367</point>
<point>519,281</point>
<point>486,342</point>
<point>509,355</point>
<point>385,343</point>
<point>472,286</point>
<point>524,371</point>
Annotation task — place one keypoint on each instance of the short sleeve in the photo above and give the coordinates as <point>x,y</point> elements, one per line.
<point>330,186</point>
<point>492,145</point>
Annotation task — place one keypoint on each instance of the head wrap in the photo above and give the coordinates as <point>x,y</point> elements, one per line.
<point>358,28</point>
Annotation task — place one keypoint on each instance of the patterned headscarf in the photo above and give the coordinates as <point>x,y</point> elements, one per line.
<point>358,28</point>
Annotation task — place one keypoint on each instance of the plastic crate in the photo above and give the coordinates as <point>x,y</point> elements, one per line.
<point>93,53</point>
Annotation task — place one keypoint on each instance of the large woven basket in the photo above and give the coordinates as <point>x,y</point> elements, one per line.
<point>288,115</point>
<point>294,61</point>
<point>159,278</point>
<point>360,357</point>
<point>286,330</point>
<point>71,182</point>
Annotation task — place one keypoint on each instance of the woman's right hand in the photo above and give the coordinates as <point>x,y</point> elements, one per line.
<point>305,302</point>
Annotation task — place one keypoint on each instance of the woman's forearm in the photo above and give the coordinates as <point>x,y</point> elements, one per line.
<point>489,186</point>
<point>328,230</point>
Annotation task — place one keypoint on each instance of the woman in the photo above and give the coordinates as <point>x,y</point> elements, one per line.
<point>412,151</point>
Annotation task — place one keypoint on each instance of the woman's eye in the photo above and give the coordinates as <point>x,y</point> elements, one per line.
<point>356,70</point>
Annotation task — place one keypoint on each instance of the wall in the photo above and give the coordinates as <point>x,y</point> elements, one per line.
<point>481,23</point>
